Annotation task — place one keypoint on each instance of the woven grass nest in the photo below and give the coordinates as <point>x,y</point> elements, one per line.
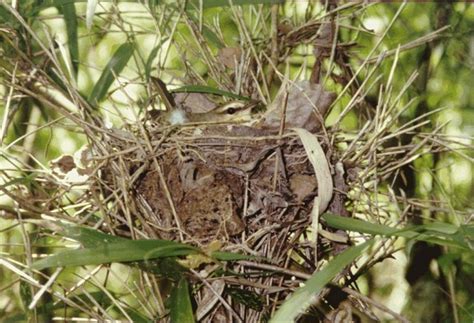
<point>249,188</point>
<point>222,185</point>
<point>229,182</point>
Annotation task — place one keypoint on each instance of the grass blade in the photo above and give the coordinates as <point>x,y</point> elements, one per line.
<point>444,234</point>
<point>116,64</point>
<point>89,238</point>
<point>151,57</point>
<point>69,12</point>
<point>303,297</point>
<point>123,251</point>
<point>181,310</point>
<point>208,34</point>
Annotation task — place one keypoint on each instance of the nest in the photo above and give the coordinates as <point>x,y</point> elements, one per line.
<point>233,183</point>
<point>227,184</point>
<point>248,188</point>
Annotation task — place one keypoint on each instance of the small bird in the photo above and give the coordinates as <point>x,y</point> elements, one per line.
<point>231,112</point>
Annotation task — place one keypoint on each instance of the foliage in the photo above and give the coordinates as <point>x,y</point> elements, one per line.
<point>77,72</point>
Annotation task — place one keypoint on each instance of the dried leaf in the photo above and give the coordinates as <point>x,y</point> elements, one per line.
<point>210,298</point>
<point>194,102</point>
<point>323,174</point>
<point>229,56</point>
<point>306,107</point>
<point>321,167</point>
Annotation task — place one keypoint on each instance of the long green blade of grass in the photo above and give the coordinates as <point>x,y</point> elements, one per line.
<point>69,12</point>
<point>445,234</point>
<point>151,57</point>
<point>208,34</point>
<point>181,310</point>
<point>116,64</point>
<point>123,251</point>
<point>89,238</point>
<point>303,297</point>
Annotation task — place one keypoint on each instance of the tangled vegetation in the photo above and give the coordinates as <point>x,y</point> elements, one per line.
<point>237,161</point>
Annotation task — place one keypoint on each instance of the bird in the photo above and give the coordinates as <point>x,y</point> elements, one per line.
<point>230,112</point>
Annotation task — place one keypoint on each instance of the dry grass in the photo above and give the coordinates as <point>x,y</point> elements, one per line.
<point>147,180</point>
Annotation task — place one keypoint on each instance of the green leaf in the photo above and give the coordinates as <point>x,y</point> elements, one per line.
<point>122,251</point>
<point>49,3</point>
<point>303,297</point>
<point>211,36</point>
<point>69,12</point>
<point>26,180</point>
<point>114,67</point>
<point>181,310</point>
<point>444,234</point>
<point>441,227</point>
<point>88,237</point>
<point>208,89</point>
<point>207,32</point>
<point>345,223</point>
<point>153,3</point>
<point>25,294</point>
<point>165,267</point>
<point>465,235</point>
<point>7,18</point>
<point>151,57</point>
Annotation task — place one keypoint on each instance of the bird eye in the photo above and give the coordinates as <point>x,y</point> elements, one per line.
<point>231,111</point>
